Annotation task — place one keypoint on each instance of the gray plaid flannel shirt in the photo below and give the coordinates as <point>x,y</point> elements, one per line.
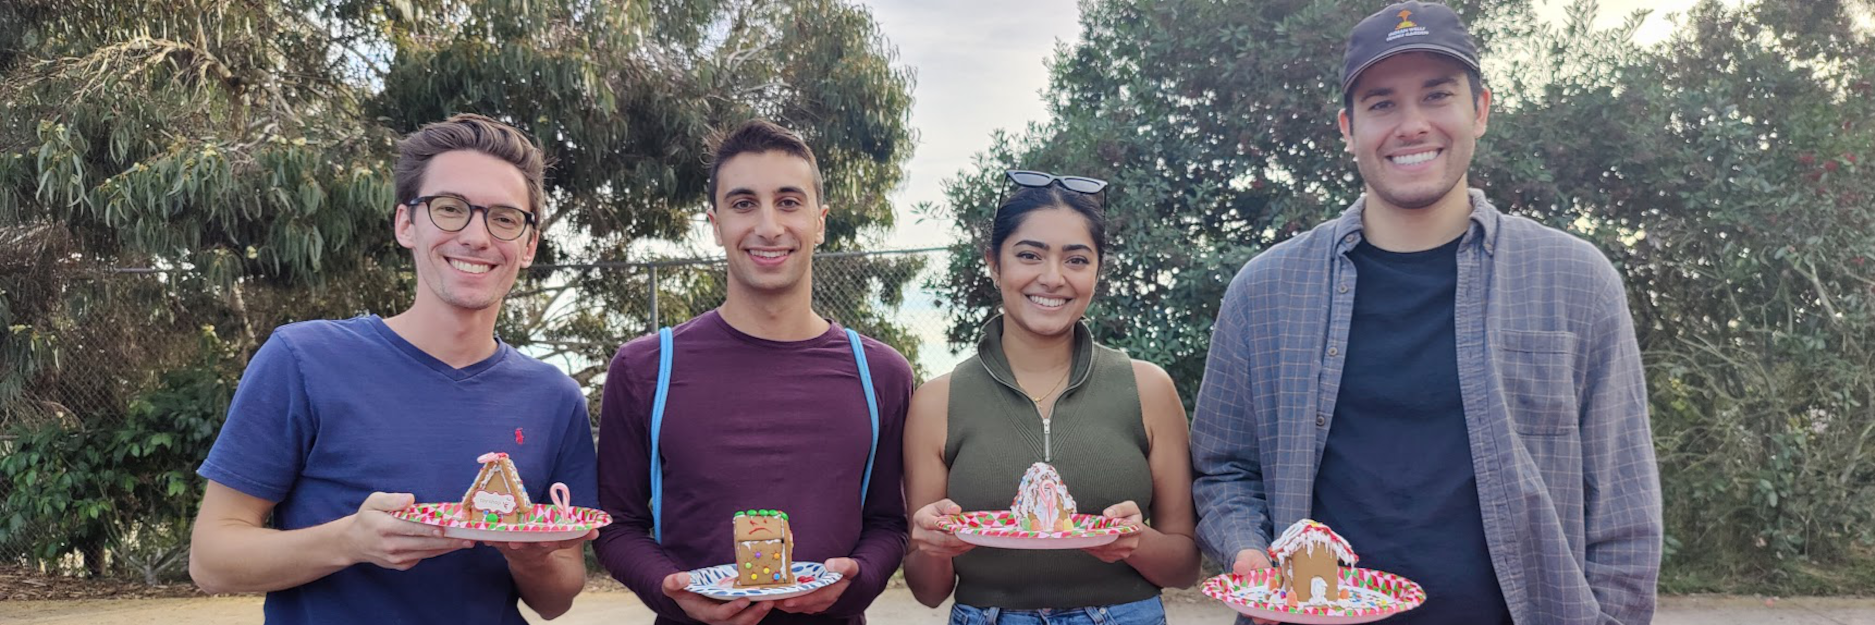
<point>1554,398</point>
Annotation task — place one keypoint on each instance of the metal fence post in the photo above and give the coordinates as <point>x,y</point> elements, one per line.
<point>654,298</point>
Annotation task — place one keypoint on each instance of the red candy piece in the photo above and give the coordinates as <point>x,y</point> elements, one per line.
<point>517,436</point>
<point>804,579</point>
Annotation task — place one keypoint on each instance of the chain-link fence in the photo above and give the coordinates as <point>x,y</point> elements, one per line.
<point>114,382</point>
<point>879,293</point>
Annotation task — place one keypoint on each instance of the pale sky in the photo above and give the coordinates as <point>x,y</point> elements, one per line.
<point>981,66</point>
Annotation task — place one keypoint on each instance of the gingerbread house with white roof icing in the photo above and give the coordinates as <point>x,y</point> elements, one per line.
<point>1042,502</point>
<point>1310,557</point>
<point>496,495</point>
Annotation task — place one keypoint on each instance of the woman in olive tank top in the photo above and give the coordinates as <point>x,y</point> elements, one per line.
<point>1039,389</point>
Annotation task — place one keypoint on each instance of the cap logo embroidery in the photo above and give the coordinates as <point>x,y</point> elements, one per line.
<point>1407,28</point>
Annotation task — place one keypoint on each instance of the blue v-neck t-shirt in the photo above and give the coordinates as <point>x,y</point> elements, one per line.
<point>330,411</point>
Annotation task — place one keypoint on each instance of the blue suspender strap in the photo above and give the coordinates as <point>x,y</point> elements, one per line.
<point>872,409</point>
<point>657,427</point>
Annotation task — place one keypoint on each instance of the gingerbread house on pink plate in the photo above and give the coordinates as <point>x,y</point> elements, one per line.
<point>1310,557</point>
<point>496,495</point>
<point>1042,502</point>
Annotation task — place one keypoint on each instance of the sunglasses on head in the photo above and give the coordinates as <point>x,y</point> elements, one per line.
<point>1039,179</point>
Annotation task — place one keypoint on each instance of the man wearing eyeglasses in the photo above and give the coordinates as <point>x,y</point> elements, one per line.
<point>760,404</point>
<point>337,424</point>
<point>1456,391</point>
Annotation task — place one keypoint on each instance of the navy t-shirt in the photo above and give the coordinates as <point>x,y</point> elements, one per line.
<point>1396,477</point>
<point>330,411</point>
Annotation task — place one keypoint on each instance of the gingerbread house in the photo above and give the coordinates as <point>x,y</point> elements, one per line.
<point>764,549</point>
<point>1042,502</point>
<point>496,495</point>
<point>1310,557</point>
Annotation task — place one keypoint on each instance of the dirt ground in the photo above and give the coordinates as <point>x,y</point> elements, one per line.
<point>29,599</point>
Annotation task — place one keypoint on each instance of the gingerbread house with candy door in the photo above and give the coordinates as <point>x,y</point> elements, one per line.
<point>1310,557</point>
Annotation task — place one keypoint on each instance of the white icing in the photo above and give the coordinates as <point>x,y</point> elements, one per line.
<point>1306,535</point>
<point>497,502</point>
<point>1042,495</point>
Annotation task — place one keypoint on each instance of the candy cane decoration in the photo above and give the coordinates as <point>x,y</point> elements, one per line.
<point>561,495</point>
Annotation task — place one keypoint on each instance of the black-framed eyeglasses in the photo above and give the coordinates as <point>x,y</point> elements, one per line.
<point>452,214</point>
<point>1041,179</point>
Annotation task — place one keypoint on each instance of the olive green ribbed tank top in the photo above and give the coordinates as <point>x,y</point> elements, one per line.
<point>1097,442</point>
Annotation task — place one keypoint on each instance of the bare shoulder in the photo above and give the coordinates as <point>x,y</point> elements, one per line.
<point>928,420</point>
<point>932,398</point>
<point>1154,383</point>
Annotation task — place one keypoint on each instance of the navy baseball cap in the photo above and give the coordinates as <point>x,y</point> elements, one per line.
<point>1406,27</point>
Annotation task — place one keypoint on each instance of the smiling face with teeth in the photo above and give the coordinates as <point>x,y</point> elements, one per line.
<point>1046,271</point>
<point>468,269</point>
<point>768,220</point>
<point>1413,129</point>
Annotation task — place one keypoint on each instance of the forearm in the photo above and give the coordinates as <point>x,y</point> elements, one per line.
<point>930,578</point>
<point>230,557</point>
<point>1228,496</point>
<point>879,552</point>
<point>1166,560</point>
<point>548,584</point>
<point>1624,534</point>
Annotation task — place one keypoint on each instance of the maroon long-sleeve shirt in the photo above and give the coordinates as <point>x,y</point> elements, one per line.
<point>753,424</point>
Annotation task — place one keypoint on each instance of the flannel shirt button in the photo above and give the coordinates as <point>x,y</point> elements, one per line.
<point>1320,421</point>
<point>1349,238</point>
<point>1343,288</point>
<point>1334,352</point>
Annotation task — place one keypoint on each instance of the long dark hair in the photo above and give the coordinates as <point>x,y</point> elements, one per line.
<point>1026,200</point>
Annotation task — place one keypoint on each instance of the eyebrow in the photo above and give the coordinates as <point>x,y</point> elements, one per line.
<point>1071,247</point>
<point>748,191</point>
<point>1379,92</point>
<point>465,200</point>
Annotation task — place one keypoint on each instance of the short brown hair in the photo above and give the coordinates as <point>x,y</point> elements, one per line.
<point>755,137</point>
<point>468,131</point>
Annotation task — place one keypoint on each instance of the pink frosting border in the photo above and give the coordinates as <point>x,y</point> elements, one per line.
<point>1406,594</point>
<point>1002,524</point>
<point>543,518</point>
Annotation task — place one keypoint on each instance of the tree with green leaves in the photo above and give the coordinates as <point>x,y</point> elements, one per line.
<point>240,151</point>
<point>1720,170</point>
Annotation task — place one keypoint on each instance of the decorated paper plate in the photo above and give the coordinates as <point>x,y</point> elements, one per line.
<point>1371,596</point>
<point>719,582</point>
<point>998,528</point>
<point>544,523</point>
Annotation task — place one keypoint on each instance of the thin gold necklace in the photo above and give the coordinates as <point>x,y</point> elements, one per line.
<point>1051,390</point>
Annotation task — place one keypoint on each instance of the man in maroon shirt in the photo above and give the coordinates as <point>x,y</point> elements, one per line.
<point>765,410</point>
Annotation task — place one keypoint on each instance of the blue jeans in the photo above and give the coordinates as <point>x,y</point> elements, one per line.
<point>1147,612</point>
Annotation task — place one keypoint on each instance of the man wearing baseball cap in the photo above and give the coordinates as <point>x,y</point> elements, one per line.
<point>1456,391</point>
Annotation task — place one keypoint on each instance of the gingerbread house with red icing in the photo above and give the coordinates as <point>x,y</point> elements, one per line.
<point>496,495</point>
<point>1310,557</point>
<point>1042,502</point>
